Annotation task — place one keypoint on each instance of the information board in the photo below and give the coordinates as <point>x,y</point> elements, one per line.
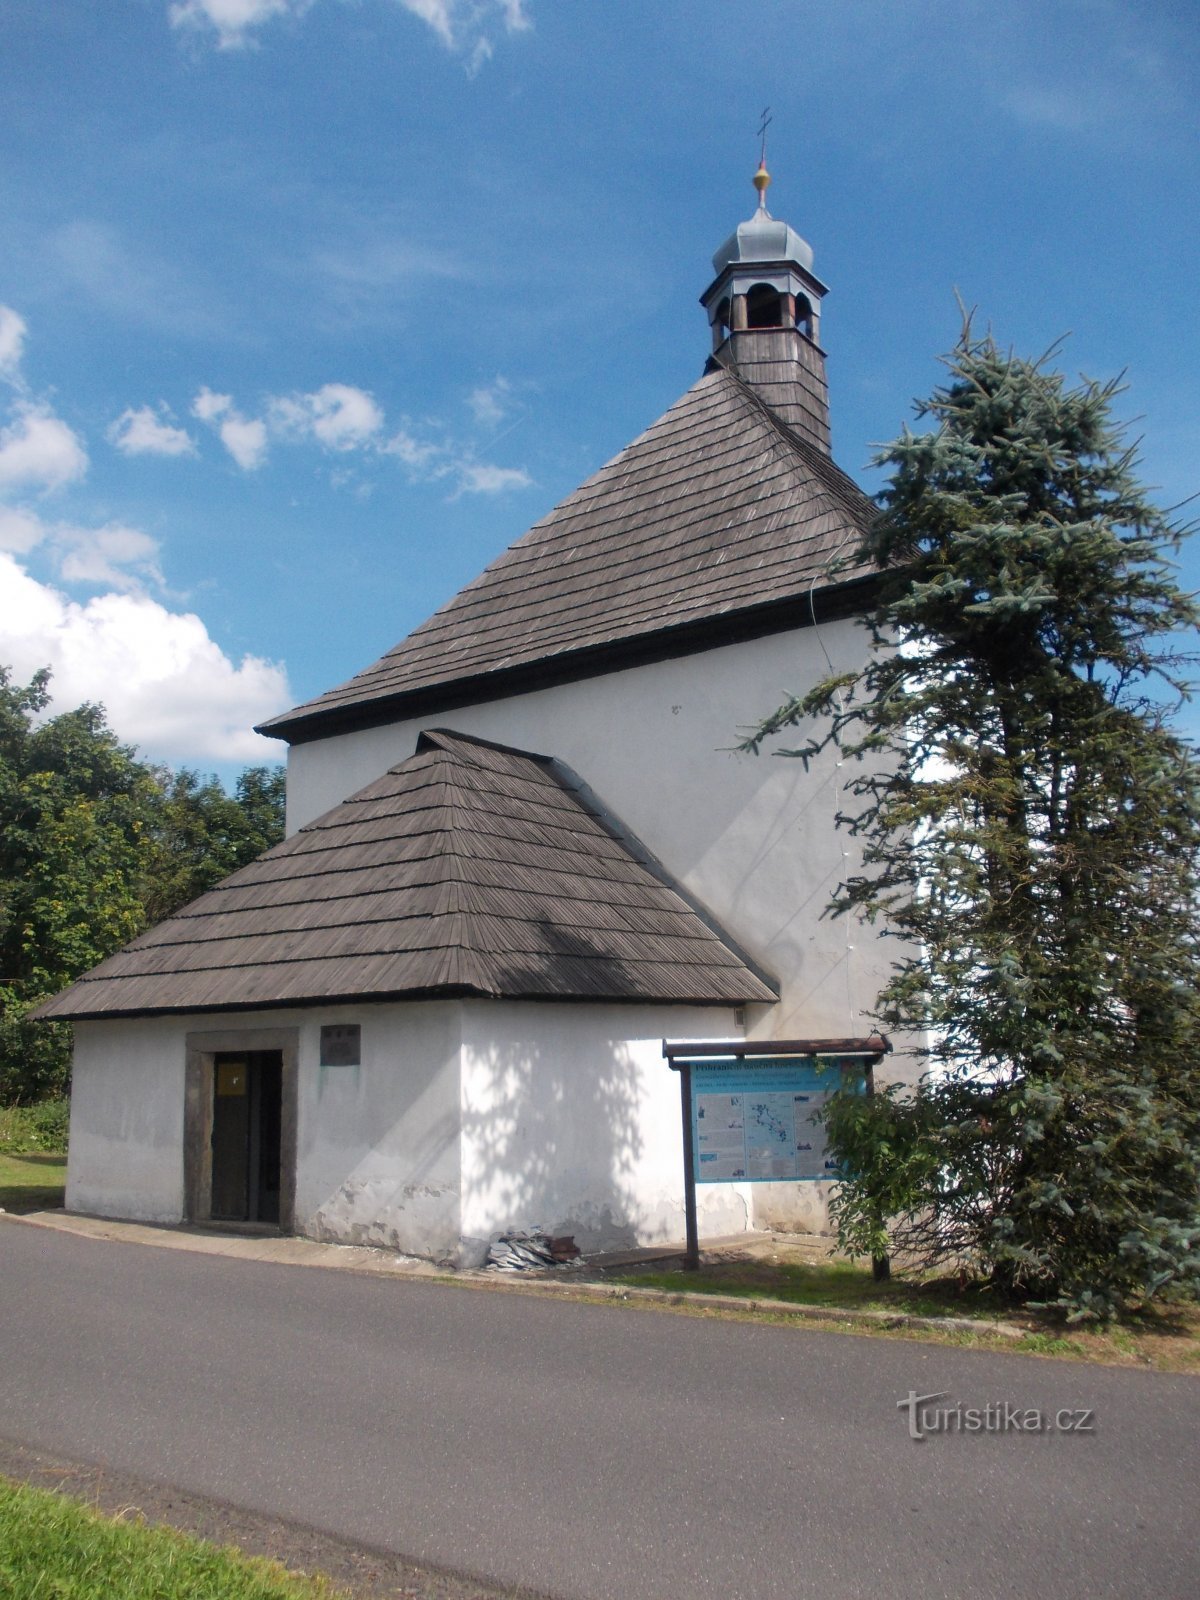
<point>758,1122</point>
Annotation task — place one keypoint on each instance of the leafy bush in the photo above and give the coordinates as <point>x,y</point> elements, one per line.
<point>25,1129</point>
<point>35,1057</point>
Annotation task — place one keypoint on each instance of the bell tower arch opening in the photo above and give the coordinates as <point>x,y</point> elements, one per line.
<point>764,307</point>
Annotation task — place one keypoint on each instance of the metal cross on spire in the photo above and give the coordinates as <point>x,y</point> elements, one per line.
<point>762,177</point>
<point>764,123</point>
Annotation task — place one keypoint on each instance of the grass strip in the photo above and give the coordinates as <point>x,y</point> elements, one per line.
<point>35,1181</point>
<point>52,1548</point>
<point>1165,1337</point>
<point>831,1284</point>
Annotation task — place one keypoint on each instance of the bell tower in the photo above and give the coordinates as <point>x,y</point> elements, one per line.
<point>764,308</point>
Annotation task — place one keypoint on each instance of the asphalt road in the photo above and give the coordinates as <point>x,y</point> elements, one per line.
<point>594,1451</point>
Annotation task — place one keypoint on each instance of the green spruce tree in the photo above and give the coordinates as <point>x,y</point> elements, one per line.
<point>1030,828</point>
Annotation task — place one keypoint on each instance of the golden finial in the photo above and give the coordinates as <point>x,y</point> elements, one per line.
<point>761,179</point>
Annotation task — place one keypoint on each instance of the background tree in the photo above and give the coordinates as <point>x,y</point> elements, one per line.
<point>200,834</point>
<point>1030,827</point>
<point>94,846</point>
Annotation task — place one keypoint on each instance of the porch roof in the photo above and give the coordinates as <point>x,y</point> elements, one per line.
<point>468,869</point>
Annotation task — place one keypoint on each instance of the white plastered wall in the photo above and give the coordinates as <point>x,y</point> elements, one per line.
<point>379,1143</point>
<point>126,1147</point>
<point>571,1121</point>
<point>462,1119</point>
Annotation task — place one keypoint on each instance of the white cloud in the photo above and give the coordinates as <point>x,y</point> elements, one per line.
<point>430,461</point>
<point>115,554</point>
<point>20,530</point>
<point>516,18</point>
<point>439,14</point>
<point>481,52</point>
<point>231,20</point>
<point>12,342</point>
<point>413,452</point>
<point>209,406</point>
<point>142,432</point>
<point>245,438</point>
<point>121,556</point>
<point>337,415</point>
<point>462,26</point>
<point>168,687</point>
<point>479,477</point>
<point>491,402</point>
<point>39,451</point>
<point>345,419</point>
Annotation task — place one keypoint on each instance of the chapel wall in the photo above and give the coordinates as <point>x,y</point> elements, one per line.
<point>378,1159</point>
<point>571,1122</point>
<point>126,1140</point>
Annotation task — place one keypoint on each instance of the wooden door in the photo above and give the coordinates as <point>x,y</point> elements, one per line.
<point>247,1092</point>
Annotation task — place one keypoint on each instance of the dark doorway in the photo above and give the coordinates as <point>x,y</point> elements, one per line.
<point>246,1124</point>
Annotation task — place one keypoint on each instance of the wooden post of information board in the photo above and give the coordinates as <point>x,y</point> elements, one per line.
<point>691,1259</point>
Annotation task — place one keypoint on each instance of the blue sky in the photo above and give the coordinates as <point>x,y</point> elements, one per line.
<point>312,306</point>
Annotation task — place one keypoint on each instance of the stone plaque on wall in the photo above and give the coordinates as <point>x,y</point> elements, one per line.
<point>341,1044</point>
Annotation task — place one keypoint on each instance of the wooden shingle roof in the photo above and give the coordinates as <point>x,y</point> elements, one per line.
<point>719,511</point>
<point>469,869</point>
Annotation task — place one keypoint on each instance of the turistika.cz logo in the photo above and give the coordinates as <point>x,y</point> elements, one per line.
<point>925,1416</point>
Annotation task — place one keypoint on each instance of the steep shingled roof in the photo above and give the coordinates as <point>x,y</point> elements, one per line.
<point>718,510</point>
<point>469,869</point>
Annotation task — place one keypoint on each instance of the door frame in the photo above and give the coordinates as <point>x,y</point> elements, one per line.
<point>201,1051</point>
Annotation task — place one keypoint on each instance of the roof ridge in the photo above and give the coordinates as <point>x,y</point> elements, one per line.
<point>447,738</point>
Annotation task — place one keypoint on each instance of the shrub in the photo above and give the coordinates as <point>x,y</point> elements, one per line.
<point>24,1129</point>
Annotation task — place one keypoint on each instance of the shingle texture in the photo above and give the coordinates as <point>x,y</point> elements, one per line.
<point>717,509</point>
<point>470,868</point>
<point>787,372</point>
